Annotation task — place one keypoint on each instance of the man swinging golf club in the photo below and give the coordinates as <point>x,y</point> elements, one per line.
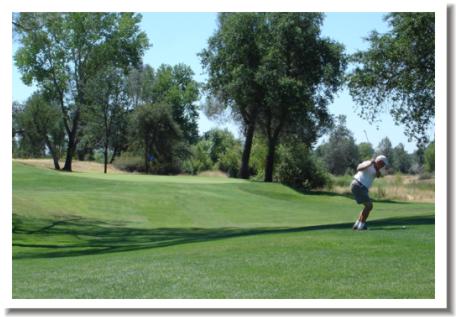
<point>366,172</point>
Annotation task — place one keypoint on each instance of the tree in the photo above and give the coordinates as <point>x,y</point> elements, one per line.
<point>401,161</point>
<point>156,132</point>
<point>26,143</point>
<point>107,109</point>
<point>397,72</point>
<point>385,148</point>
<point>366,151</point>
<point>139,85</point>
<point>41,125</point>
<point>232,60</point>
<point>221,141</point>
<point>340,153</point>
<point>299,168</point>
<point>429,157</point>
<point>175,85</point>
<point>62,52</point>
<point>200,159</point>
<point>300,73</point>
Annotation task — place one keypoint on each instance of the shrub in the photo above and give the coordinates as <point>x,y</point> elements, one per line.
<point>299,169</point>
<point>429,158</point>
<point>130,162</point>
<point>200,159</point>
<point>230,162</point>
<point>257,158</point>
<point>425,175</point>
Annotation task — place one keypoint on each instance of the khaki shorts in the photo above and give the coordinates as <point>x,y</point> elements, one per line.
<point>360,192</point>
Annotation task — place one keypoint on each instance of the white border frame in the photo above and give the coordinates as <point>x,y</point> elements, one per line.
<point>440,301</point>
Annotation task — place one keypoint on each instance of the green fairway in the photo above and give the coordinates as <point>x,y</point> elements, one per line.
<point>89,235</point>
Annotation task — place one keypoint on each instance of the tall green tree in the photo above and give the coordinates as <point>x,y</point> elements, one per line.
<point>107,110</point>
<point>429,157</point>
<point>274,68</point>
<point>397,72</point>
<point>173,85</point>
<point>139,85</point>
<point>401,161</point>
<point>366,151</point>
<point>62,52</point>
<point>40,124</point>
<point>300,73</point>
<point>221,141</point>
<point>340,153</point>
<point>232,60</point>
<point>156,132</point>
<point>385,147</point>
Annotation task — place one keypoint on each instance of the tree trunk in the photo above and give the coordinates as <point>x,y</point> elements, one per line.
<point>71,143</point>
<point>55,157</point>
<point>245,171</point>
<point>106,158</point>
<point>70,152</point>
<point>114,154</point>
<point>270,161</point>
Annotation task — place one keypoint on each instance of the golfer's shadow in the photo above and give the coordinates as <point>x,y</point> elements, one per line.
<point>85,236</point>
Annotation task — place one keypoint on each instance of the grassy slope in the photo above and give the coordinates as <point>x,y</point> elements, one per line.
<point>130,236</point>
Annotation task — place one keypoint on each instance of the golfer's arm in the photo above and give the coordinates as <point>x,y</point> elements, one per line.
<point>364,165</point>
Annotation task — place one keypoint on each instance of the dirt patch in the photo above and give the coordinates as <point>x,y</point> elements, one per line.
<point>77,166</point>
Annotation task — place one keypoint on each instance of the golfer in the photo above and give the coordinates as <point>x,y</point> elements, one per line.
<point>366,172</point>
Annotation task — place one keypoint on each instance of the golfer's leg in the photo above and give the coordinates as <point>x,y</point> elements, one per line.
<point>365,212</point>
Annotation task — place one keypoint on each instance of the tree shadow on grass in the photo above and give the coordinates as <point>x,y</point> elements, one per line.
<point>350,195</point>
<point>78,236</point>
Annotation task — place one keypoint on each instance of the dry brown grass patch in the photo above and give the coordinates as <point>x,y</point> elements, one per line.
<point>77,166</point>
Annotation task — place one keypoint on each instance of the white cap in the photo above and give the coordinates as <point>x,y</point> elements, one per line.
<point>382,158</point>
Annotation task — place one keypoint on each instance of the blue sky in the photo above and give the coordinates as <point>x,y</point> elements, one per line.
<point>178,37</point>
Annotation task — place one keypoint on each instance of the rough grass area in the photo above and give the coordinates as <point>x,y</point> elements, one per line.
<point>90,235</point>
<point>396,187</point>
<point>77,166</point>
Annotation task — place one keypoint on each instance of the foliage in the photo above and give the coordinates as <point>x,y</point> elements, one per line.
<point>24,145</point>
<point>385,147</point>
<point>221,141</point>
<point>156,134</point>
<point>217,149</point>
<point>139,84</point>
<point>200,159</point>
<point>429,157</point>
<point>232,61</point>
<point>175,86</point>
<point>340,153</point>
<point>106,115</point>
<point>401,161</point>
<point>257,161</point>
<point>397,72</point>
<point>300,169</point>
<point>366,151</point>
<point>62,52</point>
<point>230,161</point>
<point>130,162</point>
<point>300,73</point>
<point>40,125</point>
